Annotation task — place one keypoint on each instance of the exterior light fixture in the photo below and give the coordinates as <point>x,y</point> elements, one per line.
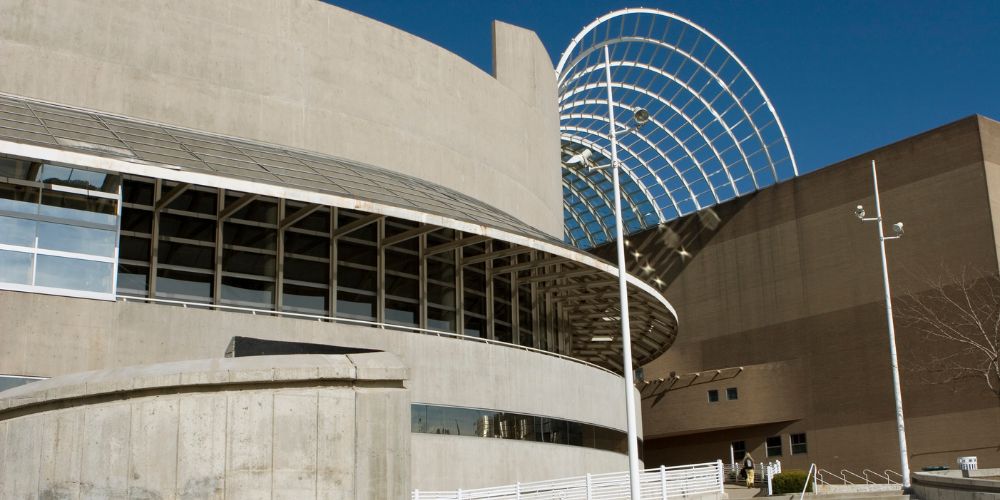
<point>897,392</point>
<point>640,116</point>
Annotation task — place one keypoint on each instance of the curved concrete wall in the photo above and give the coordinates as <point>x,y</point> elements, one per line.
<point>79,335</point>
<point>308,75</point>
<point>261,427</point>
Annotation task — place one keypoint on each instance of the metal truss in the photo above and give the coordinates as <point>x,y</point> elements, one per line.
<point>712,134</point>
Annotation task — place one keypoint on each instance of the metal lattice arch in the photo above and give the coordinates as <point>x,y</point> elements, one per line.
<point>712,135</point>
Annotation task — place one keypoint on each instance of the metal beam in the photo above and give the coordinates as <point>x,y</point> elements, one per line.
<point>452,245</point>
<point>355,225</point>
<point>171,196</point>
<point>499,254</point>
<point>405,235</point>
<point>299,214</point>
<point>523,266</point>
<point>233,207</point>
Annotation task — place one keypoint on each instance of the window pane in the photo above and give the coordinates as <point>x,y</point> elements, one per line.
<point>192,200</point>
<point>183,285</point>
<point>14,231</point>
<point>403,313</point>
<point>713,396</point>
<point>249,236</point>
<point>402,262</point>
<point>799,444</point>
<point>137,192</point>
<point>359,279</point>
<point>76,239</point>
<point>305,299</point>
<point>356,253</point>
<point>78,207</point>
<point>21,199</point>
<point>14,168</point>
<point>191,228</point>
<point>305,244</point>
<point>238,261</point>
<point>15,267</point>
<point>774,446</point>
<point>132,248</point>
<point>137,220</point>
<point>440,319</point>
<point>177,254</point>
<point>248,292</point>
<point>739,449</point>
<point>78,178</point>
<point>307,270</point>
<point>475,327</point>
<point>732,393</point>
<point>355,305</point>
<point>74,274</point>
<point>134,279</point>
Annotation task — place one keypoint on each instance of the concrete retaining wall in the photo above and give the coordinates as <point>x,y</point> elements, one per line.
<point>983,484</point>
<point>264,427</point>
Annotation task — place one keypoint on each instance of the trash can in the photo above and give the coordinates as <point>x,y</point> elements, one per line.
<point>968,463</point>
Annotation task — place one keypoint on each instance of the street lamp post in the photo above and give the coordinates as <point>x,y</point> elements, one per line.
<point>633,446</point>
<point>898,230</point>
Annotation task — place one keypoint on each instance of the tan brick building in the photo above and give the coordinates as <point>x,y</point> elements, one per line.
<point>783,304</point>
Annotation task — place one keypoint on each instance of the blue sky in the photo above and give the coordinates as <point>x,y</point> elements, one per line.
<point>845,76</point>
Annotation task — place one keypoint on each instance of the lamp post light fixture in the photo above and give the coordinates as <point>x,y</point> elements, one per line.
<point>897,229</point>
<point>640,116</point>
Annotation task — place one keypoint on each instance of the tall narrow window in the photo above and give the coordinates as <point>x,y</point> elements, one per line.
<point>798,442</point>
<point>774,446</point>
<point>739,449</point>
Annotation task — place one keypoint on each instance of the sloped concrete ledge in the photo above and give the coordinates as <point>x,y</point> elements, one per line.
<point>302,426</point>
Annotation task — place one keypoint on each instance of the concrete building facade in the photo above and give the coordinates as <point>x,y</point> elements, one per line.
<point>174,174</point>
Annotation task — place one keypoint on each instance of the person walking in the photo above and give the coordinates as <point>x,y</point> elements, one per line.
<point>748,469</point>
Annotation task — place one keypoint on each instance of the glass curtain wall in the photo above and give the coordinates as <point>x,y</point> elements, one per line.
<point>58,228</point>
<point>196,244</point>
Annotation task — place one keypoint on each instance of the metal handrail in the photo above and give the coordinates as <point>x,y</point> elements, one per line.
<point>845,472</point>
<point>656,483</point>
<point>890,471</point>
<point>880,476</point>
<point>843,479</point>
<point>805,485</point>
<point>334,319</point>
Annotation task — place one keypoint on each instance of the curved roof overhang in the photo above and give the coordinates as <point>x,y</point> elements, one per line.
<point>713,133</point>
<point>585,285</point>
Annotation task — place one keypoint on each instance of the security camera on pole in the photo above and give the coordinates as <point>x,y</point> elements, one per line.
<point>897,228</point>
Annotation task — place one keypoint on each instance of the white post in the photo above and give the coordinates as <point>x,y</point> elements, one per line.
<point>663,482</point>
<point>722,479</point>
<point>416,494</point>
<point>590,495</point>
<point>900,428</point>
<point>767,473</point>
<point>459,494</point>
<point>517,490</point>
<point>633,445</point>
<point>732,457</point>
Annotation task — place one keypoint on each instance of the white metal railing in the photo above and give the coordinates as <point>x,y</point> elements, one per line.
<point>867,476</point>
<point>805,486</point>
<point>657,483</point>
<point>334,319</point>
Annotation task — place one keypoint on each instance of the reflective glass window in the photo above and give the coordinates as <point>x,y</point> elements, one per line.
<point>16,168</point>
<point>15,231</point>
<point>440,319</point>
<point>248,292</point>
<point>189,228</point>
<point>15,198</point>
<point>307,244</point>
<point>356,305</point>
<point>133,279</point>
<point>75,274</point>
<point>257,210</point>
<point>250,236</point>
<point>183,285</point>
<point>305,299</point>
<point>78,178</point>
<point>358,279</point>
<point>798,442</point>
<point>475,326</point>
<point>244,262</point>
<point>79,207</point>
<point>192,200</point>
<point>76,239</point>
<point>15,267</point>
<point>194,256</point>
<point>306,270</point>
<point>137,220</point>
<point>400,312</point>
<point>356,253</point>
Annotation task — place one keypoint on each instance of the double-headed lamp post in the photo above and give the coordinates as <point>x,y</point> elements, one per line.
<point>897,228</point>
<point>639,117</point>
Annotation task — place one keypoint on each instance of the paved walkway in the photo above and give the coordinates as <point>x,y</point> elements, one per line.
<point>736,492</point>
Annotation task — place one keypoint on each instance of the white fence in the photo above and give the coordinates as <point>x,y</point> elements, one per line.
<point>659,483</point>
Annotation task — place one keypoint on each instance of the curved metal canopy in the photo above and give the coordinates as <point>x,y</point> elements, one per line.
<point>712,133</point>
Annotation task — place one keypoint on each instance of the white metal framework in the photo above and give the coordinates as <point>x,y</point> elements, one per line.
<point>712,133</point>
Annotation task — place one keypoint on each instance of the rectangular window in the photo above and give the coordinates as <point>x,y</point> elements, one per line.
<point>774,446</point>
<point>739,450</point>
<point>798,443</point>
<point>60,233</point>
<point>713,395</point>
<point>732,394</point>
